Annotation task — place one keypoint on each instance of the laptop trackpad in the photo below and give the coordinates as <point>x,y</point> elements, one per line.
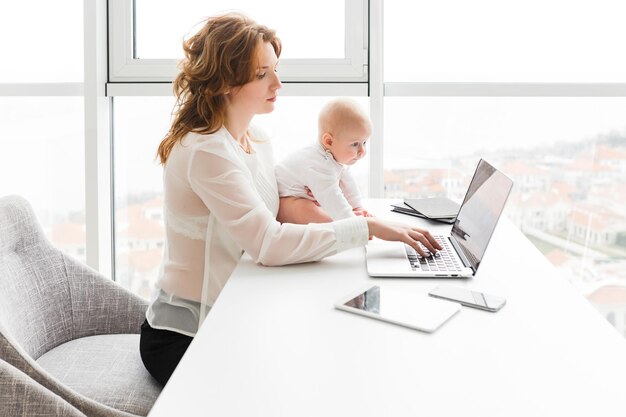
<point>387,259</point>
<point>384,249</point>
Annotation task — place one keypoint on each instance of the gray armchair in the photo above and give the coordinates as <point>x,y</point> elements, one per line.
<point>20,395</point>
<point>65,327</point>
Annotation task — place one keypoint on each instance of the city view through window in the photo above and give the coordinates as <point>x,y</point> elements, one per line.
<point>569,202</point>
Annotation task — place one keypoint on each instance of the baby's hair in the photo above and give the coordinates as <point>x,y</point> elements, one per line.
<point>341,113</point>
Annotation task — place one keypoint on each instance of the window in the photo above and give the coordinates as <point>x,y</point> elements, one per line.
<point>144,49</point>
<point>452,92</point>
<point>140,124</point>
<point>493,41</point>
<point>38,48</point>
<point>42,160</point>
<point>611,318</point>
<point>42,116</point>
<point>157,41</point>
<point>560,152</point>
<point>536,88</point>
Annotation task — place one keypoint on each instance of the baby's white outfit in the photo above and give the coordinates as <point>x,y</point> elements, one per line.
<point>330,182</point>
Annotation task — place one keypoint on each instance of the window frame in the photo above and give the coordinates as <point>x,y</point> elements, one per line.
<point>124,67</point>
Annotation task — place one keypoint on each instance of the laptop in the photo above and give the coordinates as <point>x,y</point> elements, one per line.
<point>465,247</point>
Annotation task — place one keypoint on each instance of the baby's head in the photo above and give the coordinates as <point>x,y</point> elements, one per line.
<point>343,130</point>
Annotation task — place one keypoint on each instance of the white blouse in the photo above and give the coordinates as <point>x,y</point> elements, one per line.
<point>219,202</point>
<point>331,183</point>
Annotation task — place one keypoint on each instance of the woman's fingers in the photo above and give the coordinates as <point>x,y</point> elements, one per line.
<point>415,245</point>
<point>412,236</point>
<point>430,238</point>
<point>414,241</point>
<point>418,236</point>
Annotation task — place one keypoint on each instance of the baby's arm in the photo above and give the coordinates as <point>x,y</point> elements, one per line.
<point>292,175</point>
<point>306,169</point>
<point>351,192</point>
<point>301,211</point>
<point>328,193</point>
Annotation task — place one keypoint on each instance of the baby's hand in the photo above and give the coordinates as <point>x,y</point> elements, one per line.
<point>310,194</point>
<point>360,211</point>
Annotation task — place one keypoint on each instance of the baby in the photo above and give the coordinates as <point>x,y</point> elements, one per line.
<point>320,172</point>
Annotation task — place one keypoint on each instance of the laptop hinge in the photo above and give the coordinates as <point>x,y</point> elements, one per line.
<point>459,252</point>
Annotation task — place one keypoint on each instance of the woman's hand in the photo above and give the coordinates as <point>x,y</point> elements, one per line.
<point>387,230</point>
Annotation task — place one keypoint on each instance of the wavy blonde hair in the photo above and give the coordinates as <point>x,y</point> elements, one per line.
<point>222,55</point>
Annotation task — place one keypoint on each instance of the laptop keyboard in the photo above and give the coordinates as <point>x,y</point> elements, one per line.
<point>442,261</point>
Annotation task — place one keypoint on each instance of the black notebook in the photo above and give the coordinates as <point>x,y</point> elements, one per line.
<point>401,208</point>
<point>434,208</point>
<point>439,209</point>
<point>404,209</point>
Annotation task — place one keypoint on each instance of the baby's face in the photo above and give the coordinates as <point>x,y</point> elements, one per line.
<point>349,146</point>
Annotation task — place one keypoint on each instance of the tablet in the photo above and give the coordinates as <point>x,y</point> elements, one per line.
<point>405,308</point>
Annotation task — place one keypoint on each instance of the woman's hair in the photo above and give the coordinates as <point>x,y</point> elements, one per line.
<point>222,55</point>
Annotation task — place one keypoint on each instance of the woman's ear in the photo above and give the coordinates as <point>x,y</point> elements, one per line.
<point>327,140</point>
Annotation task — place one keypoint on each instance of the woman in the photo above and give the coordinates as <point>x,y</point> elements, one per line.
<point>221,196</point>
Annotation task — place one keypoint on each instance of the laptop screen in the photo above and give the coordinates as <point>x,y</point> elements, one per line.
<point>480,211</point>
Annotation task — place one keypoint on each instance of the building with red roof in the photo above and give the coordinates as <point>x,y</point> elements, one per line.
<point>527,177</point>
<point>70,238</point>
<point>595,225</point>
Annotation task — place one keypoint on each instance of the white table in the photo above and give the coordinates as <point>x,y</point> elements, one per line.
<point>273,345</point>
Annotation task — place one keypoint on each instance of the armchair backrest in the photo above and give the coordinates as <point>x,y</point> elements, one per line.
<point>35,294</point>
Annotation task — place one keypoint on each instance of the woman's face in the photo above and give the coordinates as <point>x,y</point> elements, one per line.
<point>259,95</point>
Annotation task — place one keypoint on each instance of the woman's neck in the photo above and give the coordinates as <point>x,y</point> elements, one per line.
<point>237,126</point>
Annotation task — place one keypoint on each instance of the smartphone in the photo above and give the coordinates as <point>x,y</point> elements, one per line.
<point>469,298</point>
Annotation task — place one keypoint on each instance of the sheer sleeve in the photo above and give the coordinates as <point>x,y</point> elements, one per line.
<point>229,193</point>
